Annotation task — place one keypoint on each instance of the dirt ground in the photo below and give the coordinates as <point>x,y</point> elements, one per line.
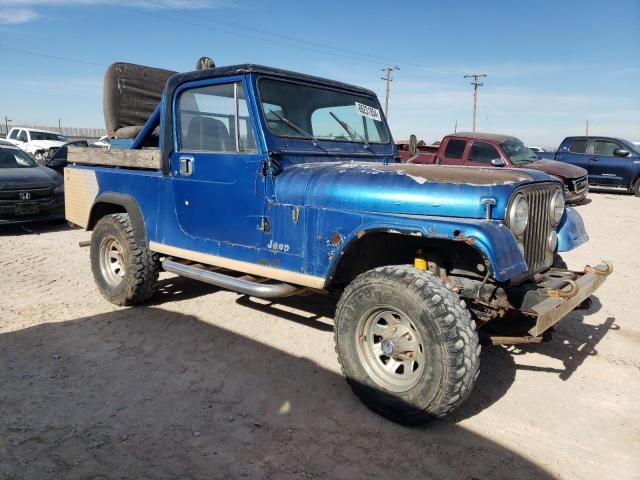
<point>207,384</point>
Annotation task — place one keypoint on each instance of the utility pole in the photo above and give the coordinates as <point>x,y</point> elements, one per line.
<point>455,127</point>
<point>388,78</point>
<point>587,128</point>
<point>7,120</point>
<point>475,84</point>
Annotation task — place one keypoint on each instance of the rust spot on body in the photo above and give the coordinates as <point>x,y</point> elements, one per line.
<point>336,239</point>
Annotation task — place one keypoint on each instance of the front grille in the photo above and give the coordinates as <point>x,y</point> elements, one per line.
<point>536,234</point>
<point>577,185</point>
<point>34,193</point>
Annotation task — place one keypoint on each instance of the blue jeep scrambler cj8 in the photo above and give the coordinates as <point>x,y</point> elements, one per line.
<point>269,182</point>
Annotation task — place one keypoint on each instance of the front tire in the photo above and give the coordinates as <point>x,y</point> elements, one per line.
<point>406,344</point>
<point>635,189</point>
<point>126,273</point>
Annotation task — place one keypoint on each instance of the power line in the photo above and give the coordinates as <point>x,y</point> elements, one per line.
<point>251,31</point>
<point>475,84</point>
<point>54,57</point>
<point>244,31</point>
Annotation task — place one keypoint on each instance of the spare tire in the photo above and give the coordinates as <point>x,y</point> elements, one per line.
<point>131,94</point>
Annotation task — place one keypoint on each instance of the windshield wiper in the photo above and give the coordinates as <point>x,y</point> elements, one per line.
<point>296,128</point>
<point>350,130</point>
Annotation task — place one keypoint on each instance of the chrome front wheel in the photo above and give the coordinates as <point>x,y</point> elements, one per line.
<point>390,348</point>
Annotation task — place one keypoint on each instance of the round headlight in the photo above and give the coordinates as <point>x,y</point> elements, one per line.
<point>518,215</point>
<point>557,207</point>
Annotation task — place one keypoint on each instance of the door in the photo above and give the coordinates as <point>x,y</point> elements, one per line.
<point>607,168</point>
<point>218,193</point>
<point>22,139</point>
<point>576,154</point>
<point>453,152</point>
<point>481,154</point>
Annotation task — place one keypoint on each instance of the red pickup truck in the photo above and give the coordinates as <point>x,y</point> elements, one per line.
<point>494,150</point>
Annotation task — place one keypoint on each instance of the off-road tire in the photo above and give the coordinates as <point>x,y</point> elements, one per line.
<point>635,189</point>
<point>140,265</point>
<point>451,347</point>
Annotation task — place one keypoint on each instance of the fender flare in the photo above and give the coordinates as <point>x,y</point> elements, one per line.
<point>493,241</point>
<point>131,207</point>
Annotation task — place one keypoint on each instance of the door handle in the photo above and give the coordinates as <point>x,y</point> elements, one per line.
<point>186,166</point>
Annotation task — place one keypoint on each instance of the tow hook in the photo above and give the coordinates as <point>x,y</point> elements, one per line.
<point>573,290</point>
<point>597,271</point>
<point>560,293</point>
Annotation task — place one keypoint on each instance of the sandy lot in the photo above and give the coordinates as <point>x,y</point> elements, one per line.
<point>207,384</point>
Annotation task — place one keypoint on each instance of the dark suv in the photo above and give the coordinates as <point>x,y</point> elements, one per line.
<point>28,192</point>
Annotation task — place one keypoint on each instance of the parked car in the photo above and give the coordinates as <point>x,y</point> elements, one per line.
<point>535,149</point>
<point>39,143</point>
<point>28,192</point>
<point>104,142</point>
<point>59,159</point>
<point>292,180</point>
<point>610,162</point>
<point>495,150</point>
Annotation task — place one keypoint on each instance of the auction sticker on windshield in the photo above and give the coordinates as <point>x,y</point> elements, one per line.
<point>367,111</point>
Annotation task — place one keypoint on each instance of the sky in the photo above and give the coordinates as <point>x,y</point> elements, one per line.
<point>550,65</point>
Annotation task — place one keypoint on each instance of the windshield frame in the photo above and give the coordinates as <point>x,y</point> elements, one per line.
<point>519,163</point>
<point>374,98</point>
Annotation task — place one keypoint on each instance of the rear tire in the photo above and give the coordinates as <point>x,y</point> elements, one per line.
<point>406,344</point>
<point>126,273</point>
<point>635,189</point>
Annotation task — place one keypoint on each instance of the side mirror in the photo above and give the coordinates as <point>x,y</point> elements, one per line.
<point>621,152</point>
<point>497,162</point>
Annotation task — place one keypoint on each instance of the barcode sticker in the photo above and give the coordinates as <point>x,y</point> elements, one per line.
<point>367,111</point>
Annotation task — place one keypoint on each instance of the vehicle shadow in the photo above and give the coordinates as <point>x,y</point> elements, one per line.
<point>584,202</point>
<point>148,393</point>
<point>34,228</point>
<point>573,341</point>
<point>497,371</point>
<point>176,288</point>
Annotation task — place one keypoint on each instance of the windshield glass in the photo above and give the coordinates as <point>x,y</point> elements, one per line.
<point>15,158</point>
<point>48,136</point>
<point>518,152</point>
<point>302,111</point>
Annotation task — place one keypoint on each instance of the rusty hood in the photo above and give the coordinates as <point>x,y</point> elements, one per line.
<point>557,169</point>
<point>401,188</point>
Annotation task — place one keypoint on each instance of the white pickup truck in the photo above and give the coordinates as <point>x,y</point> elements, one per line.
<point>39,143</point>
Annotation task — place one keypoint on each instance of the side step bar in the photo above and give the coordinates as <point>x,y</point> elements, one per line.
<point>261,290</point>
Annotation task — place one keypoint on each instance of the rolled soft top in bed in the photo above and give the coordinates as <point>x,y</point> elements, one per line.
<point>131,93</point>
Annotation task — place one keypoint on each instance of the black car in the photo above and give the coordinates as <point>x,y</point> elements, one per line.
<point>28,192</point>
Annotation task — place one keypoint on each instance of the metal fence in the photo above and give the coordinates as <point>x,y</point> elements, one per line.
<point>70,132</point>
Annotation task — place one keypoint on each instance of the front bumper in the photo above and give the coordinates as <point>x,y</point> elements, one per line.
<point>575,198</point>
<point>558,292</point>
<point>48,209</point>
